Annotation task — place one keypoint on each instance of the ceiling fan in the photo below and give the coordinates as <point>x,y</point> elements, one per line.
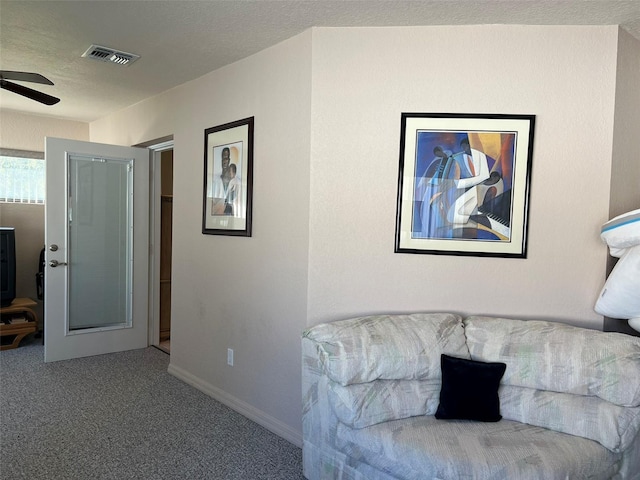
<point>6,75</point>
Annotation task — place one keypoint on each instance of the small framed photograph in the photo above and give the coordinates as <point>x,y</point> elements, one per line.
<point>228,179</point>
<point>463,184</point>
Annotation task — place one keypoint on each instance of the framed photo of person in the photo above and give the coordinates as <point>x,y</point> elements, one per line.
<point>228,179</point>
<point>463,184</point>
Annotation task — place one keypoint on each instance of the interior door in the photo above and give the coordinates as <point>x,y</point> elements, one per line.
<point>97,249</point>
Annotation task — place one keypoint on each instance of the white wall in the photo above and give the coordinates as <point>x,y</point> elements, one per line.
<point>365,77</point>
<point>27,132</point>
<point>248,294</point>
<point>327,107</point>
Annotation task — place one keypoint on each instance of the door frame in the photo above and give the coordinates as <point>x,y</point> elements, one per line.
<point>157,147</point>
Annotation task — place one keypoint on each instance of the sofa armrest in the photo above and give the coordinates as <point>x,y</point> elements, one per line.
<point>318,420</point>
<point>561,358</point>
<point>388,347</point>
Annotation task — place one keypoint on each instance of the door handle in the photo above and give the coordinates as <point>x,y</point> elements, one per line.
<point>55,263</point>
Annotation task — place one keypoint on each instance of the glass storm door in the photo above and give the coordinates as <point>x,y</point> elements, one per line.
<point>100,242</point>
<point>96,237</point>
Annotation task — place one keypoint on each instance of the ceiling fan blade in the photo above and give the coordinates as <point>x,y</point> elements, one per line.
<point>24,77</point>
<point>29,93</point>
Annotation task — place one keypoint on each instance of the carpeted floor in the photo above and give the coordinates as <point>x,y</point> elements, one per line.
<point>122,416</point>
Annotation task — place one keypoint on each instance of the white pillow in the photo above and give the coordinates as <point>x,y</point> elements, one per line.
<point>620,296</point>
<point>622,232</point>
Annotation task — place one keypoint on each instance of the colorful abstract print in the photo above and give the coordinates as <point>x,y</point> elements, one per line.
<point>463,185</point>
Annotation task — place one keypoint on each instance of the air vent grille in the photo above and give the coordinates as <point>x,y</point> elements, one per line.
<point>109,55</point>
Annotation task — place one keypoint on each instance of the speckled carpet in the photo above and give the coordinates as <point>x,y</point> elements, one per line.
<point>122,416</point>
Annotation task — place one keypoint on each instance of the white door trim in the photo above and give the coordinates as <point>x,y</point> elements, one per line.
<point>154,235</point>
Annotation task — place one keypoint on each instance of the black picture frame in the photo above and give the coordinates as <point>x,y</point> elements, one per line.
<point>228,179</point>
<point>464,183</point>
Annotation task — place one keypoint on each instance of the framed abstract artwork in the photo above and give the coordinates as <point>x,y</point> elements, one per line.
<point>228,179</point>
<point>463,184</point>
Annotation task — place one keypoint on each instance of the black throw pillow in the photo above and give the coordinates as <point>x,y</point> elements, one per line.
<point>470,389</point>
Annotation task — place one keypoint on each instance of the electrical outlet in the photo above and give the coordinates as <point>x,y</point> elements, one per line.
<point>230,357</point>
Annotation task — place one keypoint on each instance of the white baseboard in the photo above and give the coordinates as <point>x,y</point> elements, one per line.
<point>267,421</point>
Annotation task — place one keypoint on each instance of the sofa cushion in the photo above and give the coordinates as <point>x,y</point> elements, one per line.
<point>561,358</point>
<point>388,347</point>
<point>423,447</point>
<point>470,390</point>
<point>364,404</point>
<point>612,426</point>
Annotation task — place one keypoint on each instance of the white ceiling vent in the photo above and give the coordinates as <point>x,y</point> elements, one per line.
<point>105,54</point>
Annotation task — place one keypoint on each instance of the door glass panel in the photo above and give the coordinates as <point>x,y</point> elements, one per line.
<point>100,243</point>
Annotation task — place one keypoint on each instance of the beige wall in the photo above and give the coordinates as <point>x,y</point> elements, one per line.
<point>27,132</point>
<point>625,180</point>
<point>327,107</point>
<point>364,78</point>
<point>248,294</point>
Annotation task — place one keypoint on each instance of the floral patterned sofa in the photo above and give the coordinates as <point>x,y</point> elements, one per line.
<point>568,400</point>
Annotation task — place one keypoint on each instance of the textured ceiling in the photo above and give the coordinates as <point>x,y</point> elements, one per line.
<point>182,40</point>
